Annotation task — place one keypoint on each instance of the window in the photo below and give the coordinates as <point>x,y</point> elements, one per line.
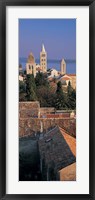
<point>43,55</point>
<point>29,67</point>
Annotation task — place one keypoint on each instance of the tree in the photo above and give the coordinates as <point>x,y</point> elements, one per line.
<point>24,72</point>
<point>43,94</point>
<point>59,88</point>
<point>41,79</point>
<point>69,88</point>
<point>22,97</point>
<point>21,87</point>
<point>22,91</point>
<point>30,88</point>
<point>60,98</point>
<point>71,97</point>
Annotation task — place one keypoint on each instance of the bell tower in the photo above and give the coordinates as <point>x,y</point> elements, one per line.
<point>31,65</point>
<point>63,66</point>
<point>43,59</point>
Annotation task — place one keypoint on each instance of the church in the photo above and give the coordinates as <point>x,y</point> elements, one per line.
<point>32,67</point>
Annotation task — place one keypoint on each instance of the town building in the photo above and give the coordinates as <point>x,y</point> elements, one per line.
<point>73,78</point>
<point>31,114</point>
<point>53,73</point>
<point>65,80</point>
<point>20,78</point>
<point>63,66</point>
<point>43,59</point>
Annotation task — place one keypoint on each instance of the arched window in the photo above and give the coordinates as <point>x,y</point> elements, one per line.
<point>29,67</point>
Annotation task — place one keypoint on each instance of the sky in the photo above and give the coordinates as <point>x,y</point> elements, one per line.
<point>57,35</point>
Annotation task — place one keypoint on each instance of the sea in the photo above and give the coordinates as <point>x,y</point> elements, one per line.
<point>52,63</point>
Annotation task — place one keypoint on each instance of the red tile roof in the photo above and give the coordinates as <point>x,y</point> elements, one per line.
<point>71,141</point>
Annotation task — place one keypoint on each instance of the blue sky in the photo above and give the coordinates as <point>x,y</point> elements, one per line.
<point>57,35</point>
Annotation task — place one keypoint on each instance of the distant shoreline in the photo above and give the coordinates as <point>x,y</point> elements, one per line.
<point>49,60</point>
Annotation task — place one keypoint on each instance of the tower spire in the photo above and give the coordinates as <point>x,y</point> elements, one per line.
<point>43,59</point>
<point>43,48</point>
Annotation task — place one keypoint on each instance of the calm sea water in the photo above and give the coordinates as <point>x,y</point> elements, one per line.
<point>70,64</point>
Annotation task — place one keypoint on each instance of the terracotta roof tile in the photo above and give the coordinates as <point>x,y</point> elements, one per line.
<point>71,141</point>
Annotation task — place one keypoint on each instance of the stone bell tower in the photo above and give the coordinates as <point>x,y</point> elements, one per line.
<point>43,59</point>
<point>31,65</point>
<point>63,66</point>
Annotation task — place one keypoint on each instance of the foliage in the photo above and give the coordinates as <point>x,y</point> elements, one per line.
<point>22,87</point>
<point>40,89</point>
<point>43,94</point>
<point>22,97</point>
<point>41,80</point>
<point>71,97</point>
<point>30,88</point>
<point>59,90</point>
<point>60,97</point>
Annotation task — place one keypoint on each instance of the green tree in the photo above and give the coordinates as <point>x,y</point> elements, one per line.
<point>21,87</point>
<point>60,98</point>
<point>22,97</point>
<point>71,97</point>
<point>69,88</point>
<point>31,88</point>
<point>59,88</point>
<point>22,91</point>
<point>41,79</point>
<point>43,94</point>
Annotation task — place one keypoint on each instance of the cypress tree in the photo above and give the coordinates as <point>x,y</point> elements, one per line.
<point>30,88</point>
<point>60,97</point>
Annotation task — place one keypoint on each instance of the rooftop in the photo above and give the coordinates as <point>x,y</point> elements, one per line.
<point>55,147</point>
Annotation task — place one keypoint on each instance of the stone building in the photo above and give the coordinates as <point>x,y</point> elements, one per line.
<point>20,78</point>
<point>31,65</point>
<point>29,109</point>
<point>53,73</point>
<point>69,77</point>
<point>73,78</point>
<point>63,66</point>
<point>31,116</point>
<point>65,79</point>
<point>43,59</point>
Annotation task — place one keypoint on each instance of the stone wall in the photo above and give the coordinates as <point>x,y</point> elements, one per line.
<point>32,118</point>
<point>28,126</point>
<point>61,115</point>
<point>29,109</point>
<point>44,111</point>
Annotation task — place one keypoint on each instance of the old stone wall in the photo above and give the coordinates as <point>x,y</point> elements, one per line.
<point>28,126</point>
<point>32,119</point>
<point>61,115</point>
<point>44,111</point>
<point>29,109</point>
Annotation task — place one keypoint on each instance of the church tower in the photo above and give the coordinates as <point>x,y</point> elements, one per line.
<point>63,66</point>
<point>43,59</point>
<point>31,65</point>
